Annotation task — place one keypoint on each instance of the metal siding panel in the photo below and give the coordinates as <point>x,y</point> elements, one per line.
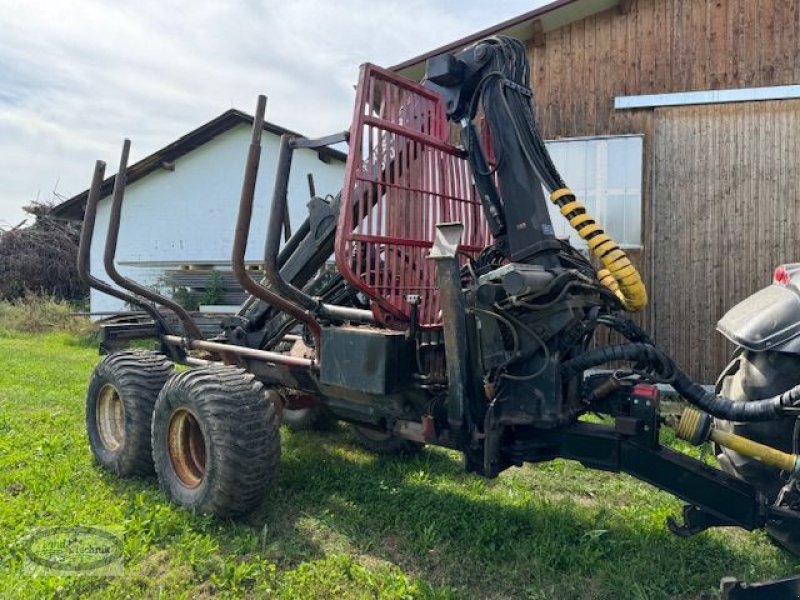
<point>778,92</point>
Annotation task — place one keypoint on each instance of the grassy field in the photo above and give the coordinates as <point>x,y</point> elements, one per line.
<point>342,523</point>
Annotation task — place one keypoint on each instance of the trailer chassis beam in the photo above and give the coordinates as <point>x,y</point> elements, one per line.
<point>714,498</point>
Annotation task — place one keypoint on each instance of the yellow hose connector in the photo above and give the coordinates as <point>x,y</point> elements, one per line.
<point>617,274</point>
<point>696,428</point>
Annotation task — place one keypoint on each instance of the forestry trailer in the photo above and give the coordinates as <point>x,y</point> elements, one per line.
<point>454,317</point>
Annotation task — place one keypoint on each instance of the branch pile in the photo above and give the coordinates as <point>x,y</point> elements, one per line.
<point>40,258</point>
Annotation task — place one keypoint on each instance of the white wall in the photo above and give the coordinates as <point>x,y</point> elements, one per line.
<point>188,215</point>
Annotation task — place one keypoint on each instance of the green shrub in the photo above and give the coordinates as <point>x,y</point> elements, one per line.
<point>192,299</point>
<point>186,298</point>
<point>215,290</point>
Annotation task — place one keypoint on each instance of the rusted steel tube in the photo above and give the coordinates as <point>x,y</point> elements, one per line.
<point>85,245</point>
<point>243,232</point>
<point>277,215</point>
<point>346,313</point>
<point>198,362</point>
<point>265,355</point>
<point>111,250</point>
<point>278,212</point>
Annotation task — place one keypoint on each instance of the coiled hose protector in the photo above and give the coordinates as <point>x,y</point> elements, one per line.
<point>721,407</point>
<point>618,274</point>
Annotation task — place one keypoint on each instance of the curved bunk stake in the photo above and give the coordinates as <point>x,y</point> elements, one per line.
<point>242,234</point>
<point>190,327</point>
<point>277,220</point>
<point>84,248</point>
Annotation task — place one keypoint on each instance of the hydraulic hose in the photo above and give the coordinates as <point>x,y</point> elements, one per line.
<point>506,98</point>
<point>621,352</point>
<point>618,274</point>
<point>721,407</point>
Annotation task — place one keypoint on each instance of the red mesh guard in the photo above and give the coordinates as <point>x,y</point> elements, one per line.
<point>402,179</point>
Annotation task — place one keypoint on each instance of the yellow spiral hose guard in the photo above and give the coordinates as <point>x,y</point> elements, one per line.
<point>617,274</point>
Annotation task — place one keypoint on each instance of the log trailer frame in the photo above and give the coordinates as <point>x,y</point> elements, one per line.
<point>454,317</point>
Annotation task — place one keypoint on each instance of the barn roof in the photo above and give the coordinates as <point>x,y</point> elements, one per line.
<point>525,27</point>
<point>73,208</point>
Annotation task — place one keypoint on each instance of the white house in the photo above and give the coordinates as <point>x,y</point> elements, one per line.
<point>181,202</point>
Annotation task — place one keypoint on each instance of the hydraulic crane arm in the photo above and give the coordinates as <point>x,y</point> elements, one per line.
<point>494,75</point>
<point>489,72</point>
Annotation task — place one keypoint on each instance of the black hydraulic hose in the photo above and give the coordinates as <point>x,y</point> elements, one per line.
<point>621,352</point>
<point>721,407</point>
<point>796,436</point>
<point>626,327</point>
<point>507,103</point>
<point>767,409</point>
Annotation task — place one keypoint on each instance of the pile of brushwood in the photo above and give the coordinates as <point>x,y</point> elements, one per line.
<point>40,258</point>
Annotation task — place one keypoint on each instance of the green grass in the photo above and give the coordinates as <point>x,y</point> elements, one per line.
<point>342,523</point>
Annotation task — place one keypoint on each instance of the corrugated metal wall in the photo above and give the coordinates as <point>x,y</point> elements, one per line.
<point>726,208</point>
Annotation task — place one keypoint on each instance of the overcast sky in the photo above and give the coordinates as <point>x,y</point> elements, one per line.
<point>76,76</point>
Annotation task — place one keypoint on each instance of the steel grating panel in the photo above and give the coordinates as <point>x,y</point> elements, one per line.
<point>402,179</point>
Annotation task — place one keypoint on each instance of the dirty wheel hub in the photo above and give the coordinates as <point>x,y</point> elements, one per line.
<point>110,418</point>
<point>187,448</point>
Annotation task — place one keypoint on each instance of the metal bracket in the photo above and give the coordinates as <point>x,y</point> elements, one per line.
<point>695,520</point>
<point>491,444</point>
<point>448,237</point>
<point>323,142</point>
<point>525,91</point>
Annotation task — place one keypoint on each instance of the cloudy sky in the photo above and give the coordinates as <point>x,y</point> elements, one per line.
<point>76,76</point>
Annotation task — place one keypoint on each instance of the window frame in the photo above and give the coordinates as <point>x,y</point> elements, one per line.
<point>597,200</point>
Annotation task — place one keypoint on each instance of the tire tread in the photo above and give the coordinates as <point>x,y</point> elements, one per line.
<point>243,427</point>
<point>139,376</point>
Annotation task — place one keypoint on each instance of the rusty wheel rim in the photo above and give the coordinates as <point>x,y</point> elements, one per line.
<point>187,447</point>
<point>110,416</point>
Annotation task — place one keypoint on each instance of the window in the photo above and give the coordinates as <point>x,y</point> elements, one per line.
<point>606,175</point>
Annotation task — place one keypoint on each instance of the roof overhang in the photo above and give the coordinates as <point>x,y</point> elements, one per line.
<point>165,158</point>
<point>525,27</point>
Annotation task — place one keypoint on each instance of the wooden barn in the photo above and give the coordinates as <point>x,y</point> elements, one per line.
<point>708,202</point>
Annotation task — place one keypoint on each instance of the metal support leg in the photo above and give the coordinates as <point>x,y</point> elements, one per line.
<point>448,280</point>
